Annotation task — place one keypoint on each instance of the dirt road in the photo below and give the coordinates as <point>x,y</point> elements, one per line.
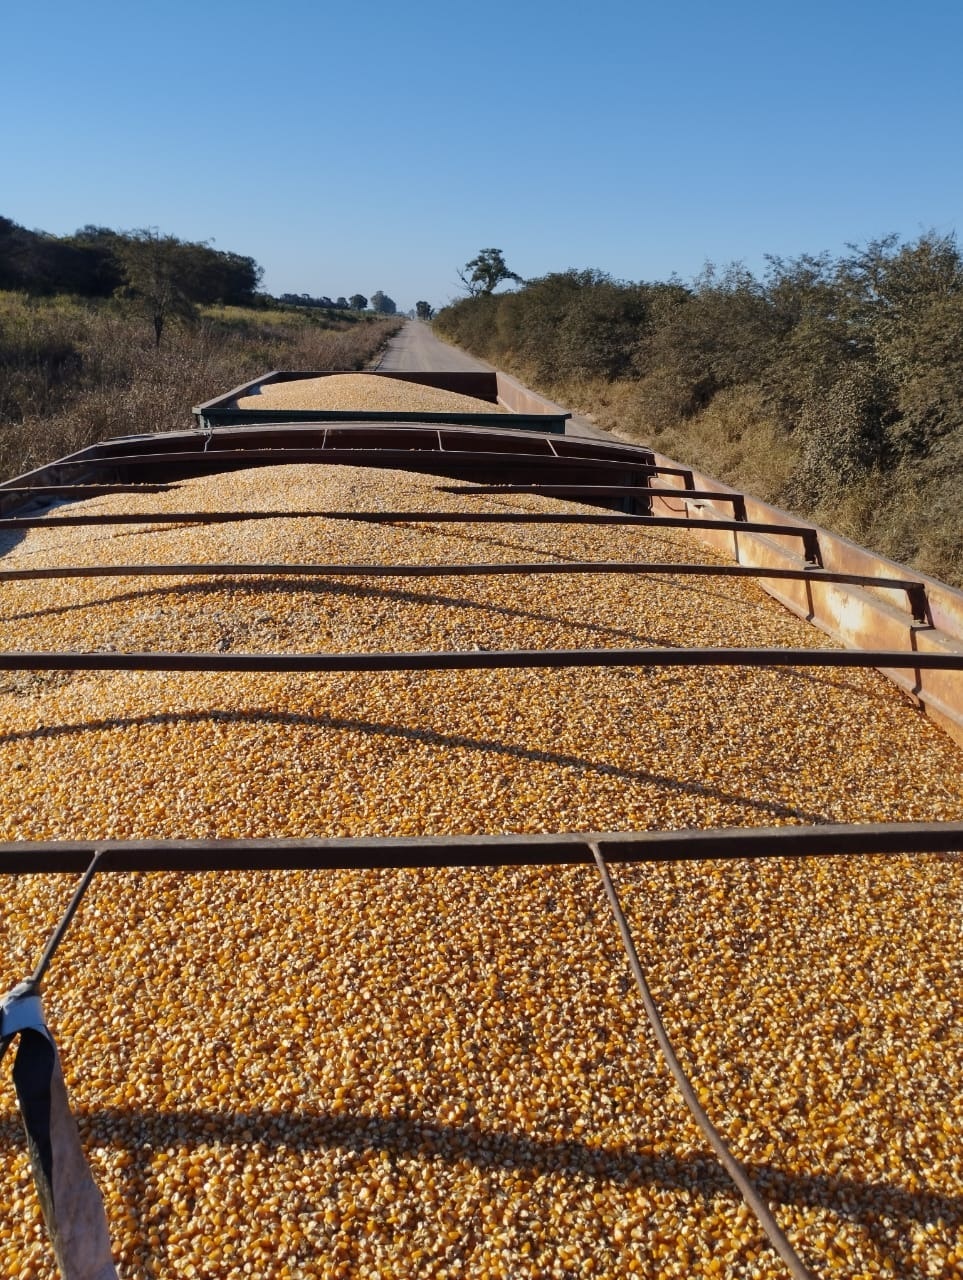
<point>416,349</point>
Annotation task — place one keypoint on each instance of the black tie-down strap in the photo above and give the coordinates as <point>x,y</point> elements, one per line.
<point>73,1208</point>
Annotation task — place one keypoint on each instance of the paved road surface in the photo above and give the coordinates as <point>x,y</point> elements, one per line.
<point>416,349</point>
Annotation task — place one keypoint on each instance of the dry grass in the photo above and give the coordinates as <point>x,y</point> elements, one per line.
<point>72,373</point>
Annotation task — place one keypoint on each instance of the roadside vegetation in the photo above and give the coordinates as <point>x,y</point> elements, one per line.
<point>77,370</point>
<point>106,333</point>
<point>831,386</point>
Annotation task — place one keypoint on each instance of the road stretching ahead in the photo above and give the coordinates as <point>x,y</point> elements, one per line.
<point>416,349</point>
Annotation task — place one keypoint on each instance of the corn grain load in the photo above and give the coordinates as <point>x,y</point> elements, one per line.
<point>443,1073</point>
<point>363,391</point>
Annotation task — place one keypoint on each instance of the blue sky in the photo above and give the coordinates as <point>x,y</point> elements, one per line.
<point>354,147</point>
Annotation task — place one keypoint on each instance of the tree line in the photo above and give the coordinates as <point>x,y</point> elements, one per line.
<point>96,262</point>
<point>380,302</point>
<point>827,378</point>
<point>167,276</point>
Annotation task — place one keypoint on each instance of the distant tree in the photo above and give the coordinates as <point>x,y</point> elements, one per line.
<point>358,301</point>
<point>323,303</point>
<point>91,233</point>
<point>341,303</point>
<point>424,311</point>
<point>239,278</point>
<point>483,274</point>
<point>384,305</point>
<point>158,273</point>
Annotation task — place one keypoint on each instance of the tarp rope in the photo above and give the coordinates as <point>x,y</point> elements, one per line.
<point>797,1269</point>
<point>73,1208</point>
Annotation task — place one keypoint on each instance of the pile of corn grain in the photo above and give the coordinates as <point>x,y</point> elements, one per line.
<point>441,1074</point>
<point>363,391</point>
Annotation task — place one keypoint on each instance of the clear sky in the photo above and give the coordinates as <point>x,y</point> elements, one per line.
<point>351,147</point>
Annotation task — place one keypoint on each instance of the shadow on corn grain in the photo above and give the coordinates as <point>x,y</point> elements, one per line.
<point>349,591</point>
<point>885,1210</point>
<point>289,586</point>
<point>552,553</point>
<point>10,539</point>
<point>876,690</point>
<point>428,737</point>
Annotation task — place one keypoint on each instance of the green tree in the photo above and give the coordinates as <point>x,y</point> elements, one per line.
<point>358,301</point>
<point>484,273</point>
<point>912,296</point>
<point>696,342</point>
<point>170,277</point>
<point>817,339</point>
<point>424,311</point>
<point>384,305</point>
<point>158,272</point>
<point>43,264</point>
<point>100,275</point>
<point>603,320</point>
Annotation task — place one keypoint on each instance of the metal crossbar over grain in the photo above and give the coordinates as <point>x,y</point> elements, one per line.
<point>690,847</point>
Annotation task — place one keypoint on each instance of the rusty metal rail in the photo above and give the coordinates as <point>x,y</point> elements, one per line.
<point>644,469</point>
<point>641,492</point>
<point>915,591</point>
<point>362,454</point>
<point>77,491</point>
<point>478,660</point>
<point>807,535</point>
<point>21,857</point>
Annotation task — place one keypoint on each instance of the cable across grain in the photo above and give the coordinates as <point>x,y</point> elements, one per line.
<point>443,1074</point>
